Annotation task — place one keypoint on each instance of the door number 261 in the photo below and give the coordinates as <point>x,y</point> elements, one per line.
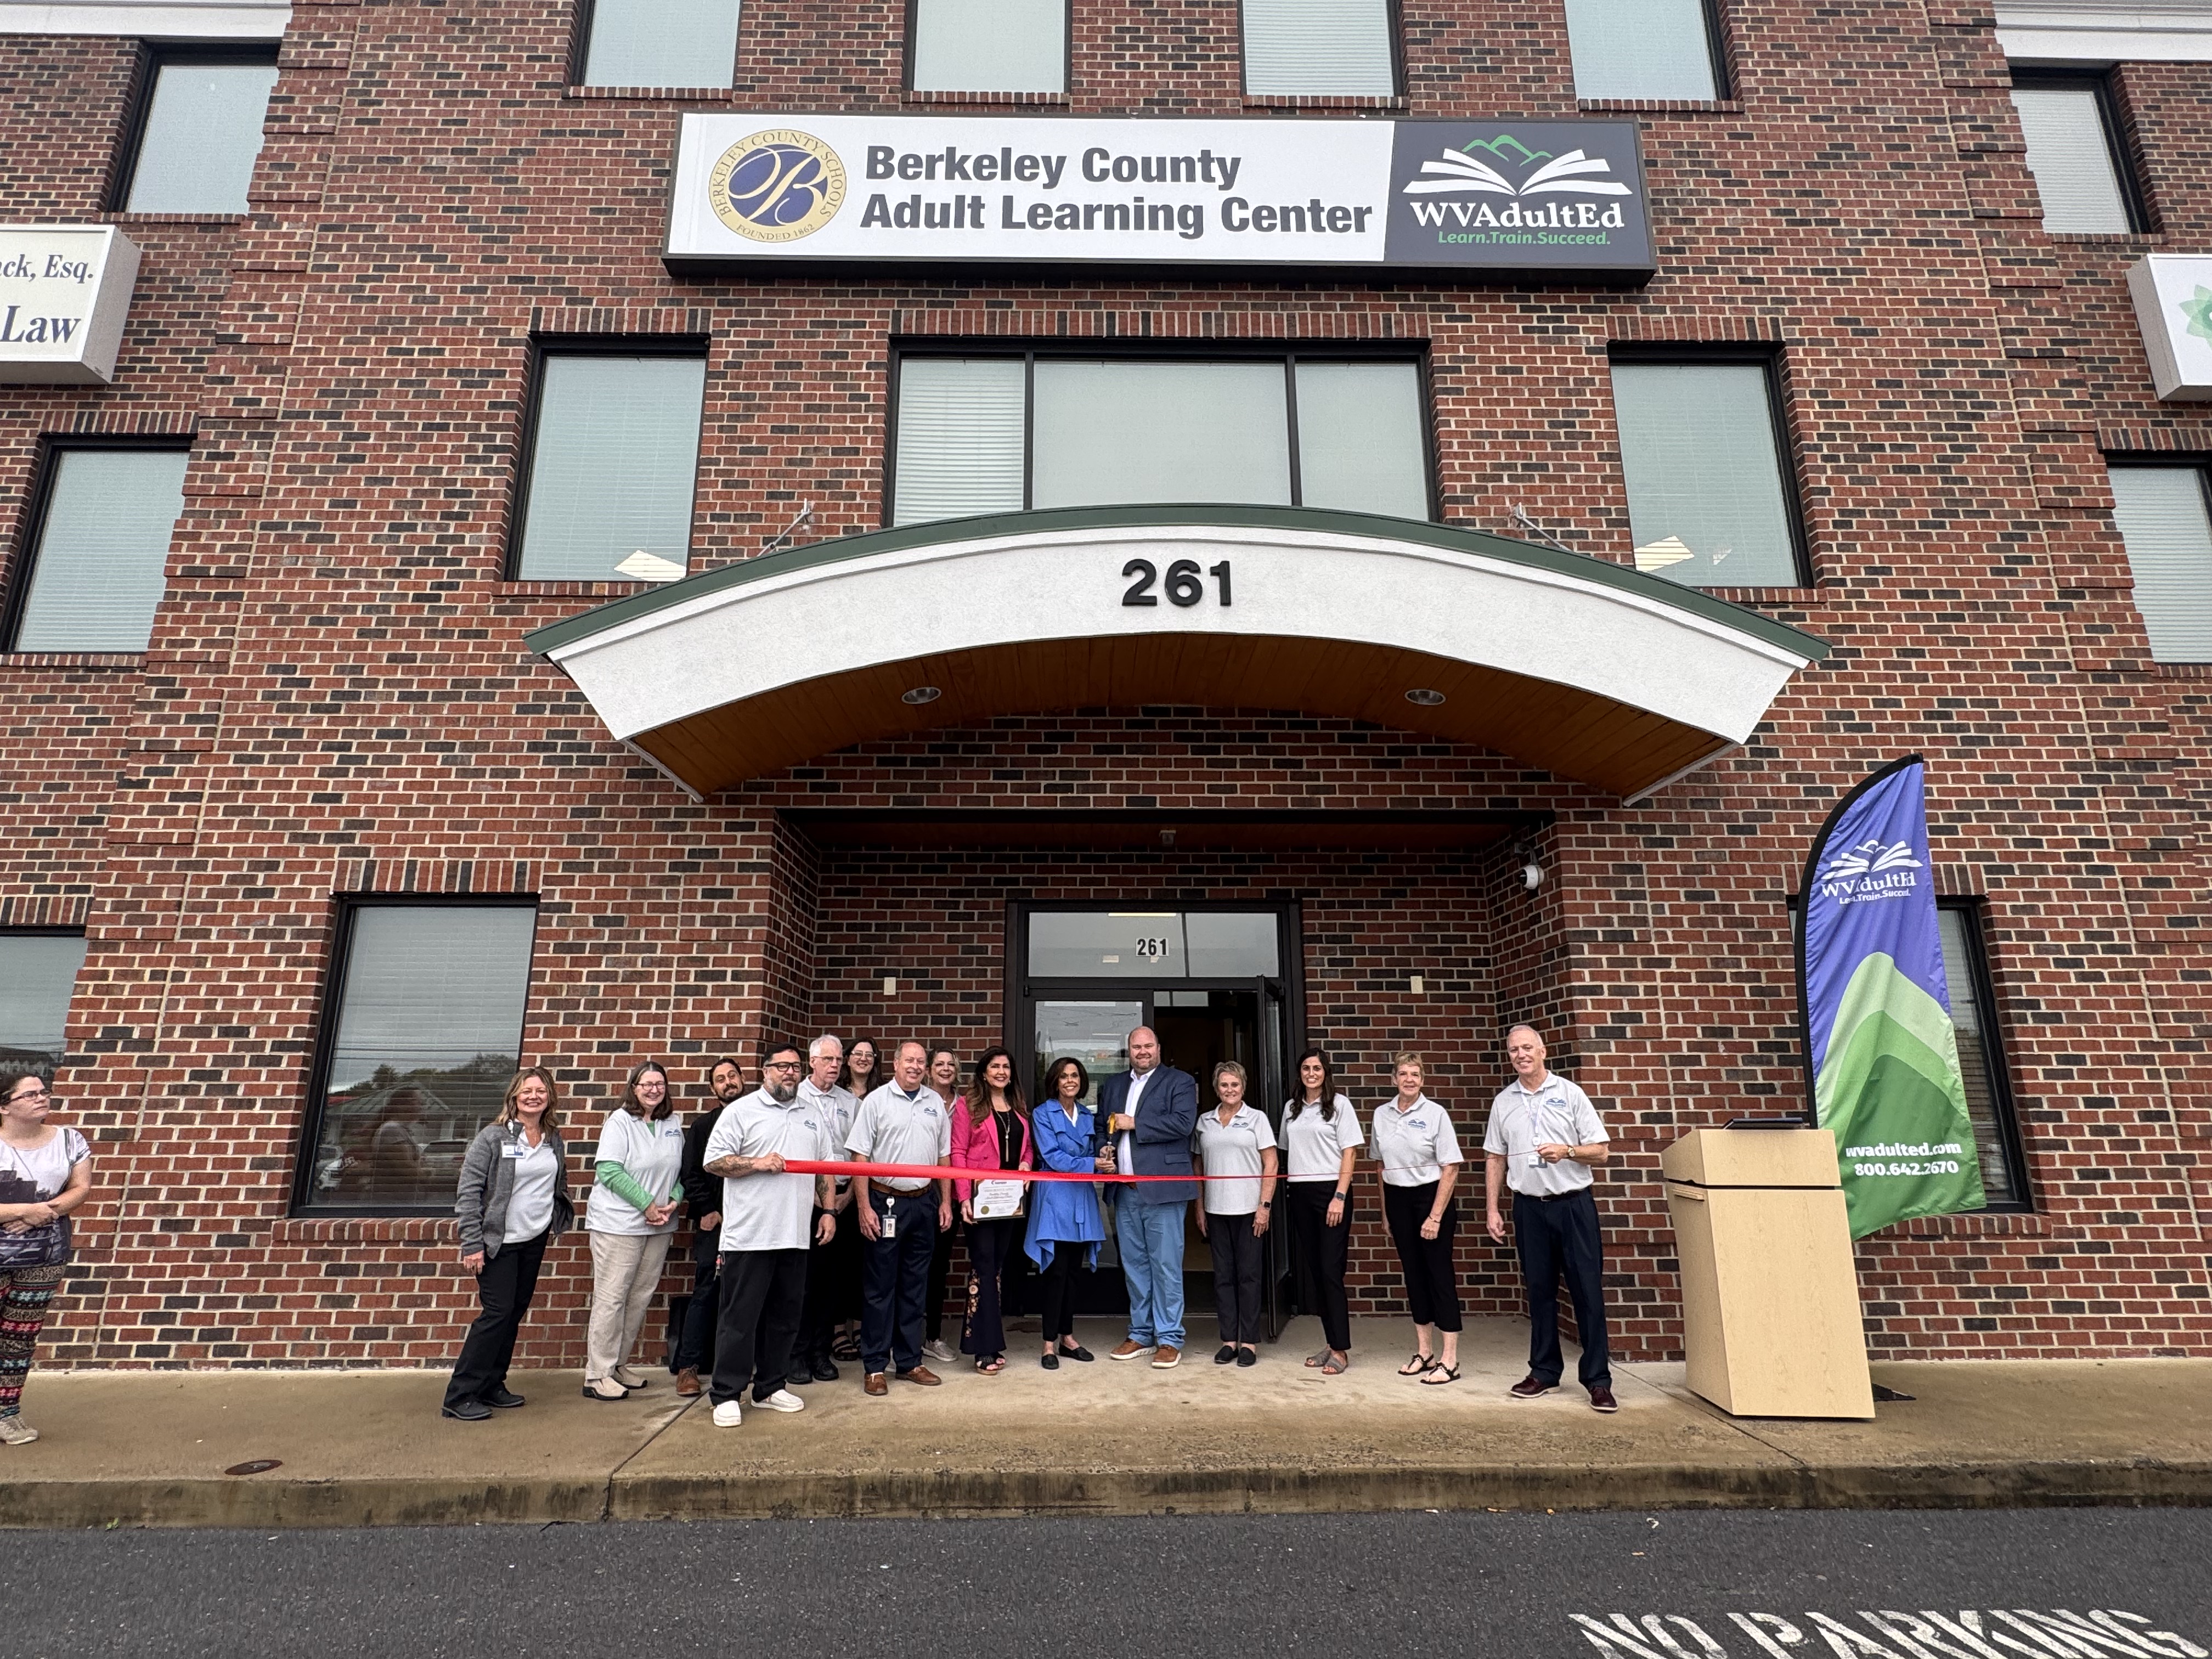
<point>1183,586</point>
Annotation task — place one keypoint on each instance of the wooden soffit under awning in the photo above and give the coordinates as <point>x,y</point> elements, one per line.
<point>1588,670</point>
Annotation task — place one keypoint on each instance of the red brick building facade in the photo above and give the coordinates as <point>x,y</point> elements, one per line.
<point>337,699</point>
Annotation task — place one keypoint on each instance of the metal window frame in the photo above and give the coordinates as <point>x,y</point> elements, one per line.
<point>1995,1059</point>
<point>1770,358</point>
<point>1289,354</point>
<point>1067,59</point>
<point>2195,461</point>
<point>2103,84</point>
<point>331,1010</point>
<point>1394,22</point>
<point>587,17</point>
<point>153,58</point>
<point>544,347</point>
<point>22,555</point>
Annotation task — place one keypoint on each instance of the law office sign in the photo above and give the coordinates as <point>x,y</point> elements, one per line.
<point>1520,199</point>
<point>64,292</point>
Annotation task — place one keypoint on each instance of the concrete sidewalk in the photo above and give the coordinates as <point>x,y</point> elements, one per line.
<point>368,1448</point>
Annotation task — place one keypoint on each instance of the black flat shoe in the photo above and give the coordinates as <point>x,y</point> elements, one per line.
<point>469,1411</point>
<point>1248,1356</point>
<point>1080,1354</point>
<point>501,1400</point>
<point>1050,1362</point>
<point>824,1369</point>
<point>1227,1354</point>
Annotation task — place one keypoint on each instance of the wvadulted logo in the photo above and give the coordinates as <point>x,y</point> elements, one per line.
<point>1540,172</point>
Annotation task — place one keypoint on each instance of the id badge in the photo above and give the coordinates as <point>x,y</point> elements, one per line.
<point>890,1218</point>
<point>1536,1160</point>
<point>514,1149</point>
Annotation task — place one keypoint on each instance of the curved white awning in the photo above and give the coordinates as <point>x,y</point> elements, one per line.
<point>1587,669</point>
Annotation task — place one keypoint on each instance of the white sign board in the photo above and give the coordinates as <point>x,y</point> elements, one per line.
<point>2172,294</point>
<point>64,292</point>
<point>1522,198</point>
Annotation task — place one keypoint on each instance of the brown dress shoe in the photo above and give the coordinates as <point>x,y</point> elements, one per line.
<point>875,1383</point>
<point>1129,1349</point>
<point>1167,1357</point>
<point>921,1374</point>
<point>1602,1399</point>
<point>1529,1387</point>
<point>687,1380</point>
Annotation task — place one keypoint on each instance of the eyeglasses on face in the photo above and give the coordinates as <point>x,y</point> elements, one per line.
<point>38,1092</point>
<point>782,1065</point>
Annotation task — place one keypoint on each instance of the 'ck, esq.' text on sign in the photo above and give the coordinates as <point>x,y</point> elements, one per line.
<point>64,292</point>
<point>1520,197</point>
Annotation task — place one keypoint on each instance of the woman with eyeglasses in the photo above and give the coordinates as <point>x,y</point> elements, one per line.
<point>45,1172</point>
<point>631,1215</point>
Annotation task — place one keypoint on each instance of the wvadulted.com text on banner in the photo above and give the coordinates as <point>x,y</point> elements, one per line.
<point>1522,198</point>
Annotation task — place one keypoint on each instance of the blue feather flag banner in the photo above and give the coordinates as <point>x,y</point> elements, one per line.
<point>1881,1054</point>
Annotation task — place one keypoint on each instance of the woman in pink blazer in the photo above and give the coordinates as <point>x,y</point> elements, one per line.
<point>990,1131</point>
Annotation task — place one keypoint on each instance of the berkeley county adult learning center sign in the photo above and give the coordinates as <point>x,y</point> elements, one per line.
<point>1518,199</point>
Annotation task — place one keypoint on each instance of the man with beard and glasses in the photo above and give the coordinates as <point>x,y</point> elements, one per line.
<point>702,1197</point>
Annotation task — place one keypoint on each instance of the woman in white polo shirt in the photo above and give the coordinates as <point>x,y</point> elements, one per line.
<point>1321,1137</point>
<point>631,1215</point>
<point>1235,1140</point>
<point>1421,1158</point>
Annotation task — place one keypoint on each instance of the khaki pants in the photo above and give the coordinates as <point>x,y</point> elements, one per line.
<point>625,1273</point>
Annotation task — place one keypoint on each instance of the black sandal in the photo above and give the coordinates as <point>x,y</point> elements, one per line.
<point>1417,1364</point>
<point>1440,1374</point>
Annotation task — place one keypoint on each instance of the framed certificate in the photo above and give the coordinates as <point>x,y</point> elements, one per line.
<point>995,1200</point>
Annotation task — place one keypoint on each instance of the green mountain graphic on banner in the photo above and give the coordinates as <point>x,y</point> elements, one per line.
<point>1892,1089</point>
<point>1506,146</point>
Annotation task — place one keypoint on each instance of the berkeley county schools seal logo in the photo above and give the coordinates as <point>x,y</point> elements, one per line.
<point>777,186</point>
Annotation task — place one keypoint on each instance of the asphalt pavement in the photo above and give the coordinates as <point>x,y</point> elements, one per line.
<point>1735,1584</point>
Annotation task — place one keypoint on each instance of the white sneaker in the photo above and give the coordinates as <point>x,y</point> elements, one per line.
<point>729,1414</point>
<point>627,1378</point>
<point>782,1400</point>
<point>935,1349</point>
<point>15,1431</point>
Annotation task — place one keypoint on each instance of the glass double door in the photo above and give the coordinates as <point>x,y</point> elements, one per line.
<point>1200,1024</point>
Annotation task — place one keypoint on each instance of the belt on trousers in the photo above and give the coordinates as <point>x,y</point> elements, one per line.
<point>1551,1198</point>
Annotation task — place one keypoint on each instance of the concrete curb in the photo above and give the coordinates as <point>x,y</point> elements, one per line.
<point>251,1502</point>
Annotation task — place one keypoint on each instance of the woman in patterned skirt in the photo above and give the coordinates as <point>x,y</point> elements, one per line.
<point>45,1170</point>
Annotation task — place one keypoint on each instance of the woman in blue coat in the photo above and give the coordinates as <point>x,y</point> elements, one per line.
<point>1065,1224</point>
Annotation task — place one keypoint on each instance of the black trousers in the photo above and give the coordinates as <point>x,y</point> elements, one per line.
<point>1318,1252</point>
<point>1431,1279</point>
<point>1056,1289</point>
<point>1554,1237</point>
<point>1236,1257</point>
<point>994,1259</point>
<point>833,1285</point>
<point>894,1280</point>
<point>504,1287</point>
<point>763,1292</point>
<point>941,1276</point>
<point>694,1344</point>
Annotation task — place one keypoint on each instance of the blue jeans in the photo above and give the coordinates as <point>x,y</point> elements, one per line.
<point>1150,1237</point>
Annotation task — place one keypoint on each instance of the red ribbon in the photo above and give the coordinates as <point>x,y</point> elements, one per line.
<point>953,1172</point>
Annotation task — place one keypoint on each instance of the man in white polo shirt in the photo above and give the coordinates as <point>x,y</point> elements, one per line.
<point>1544,1137</point>
<point>766,1210</point>
<point>905,1121</point>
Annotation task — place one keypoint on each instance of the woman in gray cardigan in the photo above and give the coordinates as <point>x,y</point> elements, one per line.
<point>514,1201</point>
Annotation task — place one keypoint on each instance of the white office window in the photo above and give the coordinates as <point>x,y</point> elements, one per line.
<point>662,43</point>
<point>38,976</point>
<point>1360,439</point>
<point>1648,49</point>
<point>2071,152</point>
<point>1113,432</point>
<point>1319,48</point>
<point>990,45</point>
<point>960,451</point>
<point>612,469</point>
<point>2160,511</point>
<point>202,135</point>
<point>1701,456</point>
<point>97,572</point>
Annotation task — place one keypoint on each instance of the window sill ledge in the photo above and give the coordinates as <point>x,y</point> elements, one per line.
<point>1997,1223</point>
<point>528,589</point>
<point>363,1229</point>
<point>1321,101</point>
<point>1004,99</point>
<point>655,95</point>
<point>2181,671</point>
<point>1660,105</point>
<point>1776,595</point>
<point>216,220</point>
<point>2108,238</point>
<point>117,662</point>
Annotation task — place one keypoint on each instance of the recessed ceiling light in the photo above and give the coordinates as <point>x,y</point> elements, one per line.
<point>1423,696</point>
<point>921,694</point>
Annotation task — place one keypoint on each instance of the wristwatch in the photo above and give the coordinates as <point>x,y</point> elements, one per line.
<point>1343,1197</point>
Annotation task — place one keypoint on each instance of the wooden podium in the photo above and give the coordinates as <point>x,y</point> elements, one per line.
<point>1770,1319</point>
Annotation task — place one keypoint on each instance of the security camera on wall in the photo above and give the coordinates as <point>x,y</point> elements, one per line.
<point>1532,875</point>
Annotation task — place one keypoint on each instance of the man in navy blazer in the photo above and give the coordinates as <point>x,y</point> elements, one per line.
<point>1150,1110</point>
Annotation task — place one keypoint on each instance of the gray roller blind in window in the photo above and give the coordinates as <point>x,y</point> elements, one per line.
<point>611,471</point>
<point>2071,157</point>
<point>1338,48</point>
<point>1978,1056</point>
<point>1360,439</point>
<point>662,43</point>
<point>1703,470</point>
<point>203,135</point>
<point>1121,432</point>
<point>2161,516</point>
<point>959,438</point>
<point>990,45</point>
<point>1659,49</point>
<point>38,975</point>
<point>97,576</point>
